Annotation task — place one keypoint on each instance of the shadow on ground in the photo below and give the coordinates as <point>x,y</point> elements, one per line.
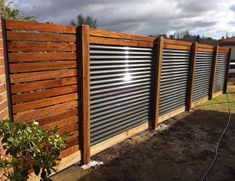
<point>182,152</point>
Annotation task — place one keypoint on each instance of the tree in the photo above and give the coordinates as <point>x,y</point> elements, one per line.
<point>81,20</point>
<point>8,12</point>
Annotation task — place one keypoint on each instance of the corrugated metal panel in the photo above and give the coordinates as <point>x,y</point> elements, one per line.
<point>174,78</point>
<point>202,75</point>
<point>121,80</point>
<point>220,72</point>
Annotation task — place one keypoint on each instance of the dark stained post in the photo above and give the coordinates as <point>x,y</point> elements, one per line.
<point>85,93</point>
<point>158,70</point>
<point>226,72</point>
<point>213,71</point>
<point>191,76</point>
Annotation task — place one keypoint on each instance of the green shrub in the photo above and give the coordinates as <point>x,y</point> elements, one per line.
<point>29,147</point>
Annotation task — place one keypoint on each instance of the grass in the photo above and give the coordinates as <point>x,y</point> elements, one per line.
<point>220,103</point>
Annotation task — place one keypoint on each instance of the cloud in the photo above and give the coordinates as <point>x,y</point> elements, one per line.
<point>210,18</point>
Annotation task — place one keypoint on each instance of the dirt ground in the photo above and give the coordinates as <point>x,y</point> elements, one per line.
<point>182,151</point>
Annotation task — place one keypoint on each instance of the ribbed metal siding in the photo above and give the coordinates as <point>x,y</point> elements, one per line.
<point>174,79</point>
<point>118,104</point>
<point>202,75</point>
<point>220,72</point>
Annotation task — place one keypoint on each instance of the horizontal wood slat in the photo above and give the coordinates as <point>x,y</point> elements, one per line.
<point>30,67</point>
<point>108,41</point>
<point>59,47</point>
<point>117,35</point>
<point>43,84</point>
<point>44,102</point>
<point>45,112</point>
<point>34,57</point>
<point>62,123</point>
<point>32,26</point>
<point>56,117</point>
<point>36,37</point>
<point>35,76</point>
<point>177,42</point>
<point>176,47</point>
<point>19,98</point>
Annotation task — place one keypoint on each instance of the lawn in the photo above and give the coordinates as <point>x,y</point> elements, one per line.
<point>183,150</point>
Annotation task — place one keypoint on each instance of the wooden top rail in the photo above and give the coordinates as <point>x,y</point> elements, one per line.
<point>43,27</point>
<point>177,44</point>
<point>117,35</point>
<point>224,50</point>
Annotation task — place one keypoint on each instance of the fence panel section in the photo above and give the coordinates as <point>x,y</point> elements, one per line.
<point>220,71</point>
<point>121,89</point>
<point>43,76</point>
<point>202,75</point>
<point>174,78</point>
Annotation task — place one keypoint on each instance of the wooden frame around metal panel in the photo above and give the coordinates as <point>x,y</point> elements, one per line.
<point>191,76</point>
<point>158,70</point>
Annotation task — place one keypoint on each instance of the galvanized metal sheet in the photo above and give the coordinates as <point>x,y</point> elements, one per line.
<point>220,72</point>
<point>174,78</point>
<point>202,75</point>
<point>121,89</point>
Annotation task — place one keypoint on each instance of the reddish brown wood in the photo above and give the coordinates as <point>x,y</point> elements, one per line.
<point>110,41</point>
<point>38,37</point>
<point>45,112</point>
<point>177,42</point>
<point>43,75</point>
<point>213,71</point>
<point>159,51</point>
<point>44,103</point>
<point>85,93</point>
<point>33,96</point>
<point>59,47</point>
<point>117,35</point>
<point>44,27</point>
<point>35,57</point>
<point>191,77</point>
<point>39,66</point>
<point>16,88</point>
<point>176,47</point>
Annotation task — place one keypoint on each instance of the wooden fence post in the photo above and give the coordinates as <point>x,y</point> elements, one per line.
<point>191,76</point>
<point>226,72</point>
<point>213,71</point>
<point>85,93</point>
<point>158,70</point>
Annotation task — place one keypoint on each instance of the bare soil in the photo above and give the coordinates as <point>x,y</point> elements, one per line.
<point>183,151</point>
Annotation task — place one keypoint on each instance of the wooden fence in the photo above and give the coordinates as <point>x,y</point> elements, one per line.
<point>63,76</point>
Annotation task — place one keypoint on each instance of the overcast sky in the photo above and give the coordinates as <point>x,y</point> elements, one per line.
<point>205,17</point>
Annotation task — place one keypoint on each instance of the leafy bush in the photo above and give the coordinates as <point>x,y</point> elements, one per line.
<point>29,147</point>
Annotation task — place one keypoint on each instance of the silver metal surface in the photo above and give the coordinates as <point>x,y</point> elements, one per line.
<point>220,72</point>
<point>174,80</point>
<point>202,75</point>
<point>121,89</point>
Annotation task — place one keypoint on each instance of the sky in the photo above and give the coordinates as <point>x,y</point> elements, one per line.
<point>145,17</point>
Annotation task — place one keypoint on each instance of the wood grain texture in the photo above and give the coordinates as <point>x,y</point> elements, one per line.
<point>117,35</point>
<point>110,41</point>
<point>58,47</point>
<point>41,66</point>
<point>37,37</point>
<point>191,76</point>
<point>44,75</point>
<point>35,57</point>
<point>44,27</point>
<point>85,93</point>
<point>158,69</point>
